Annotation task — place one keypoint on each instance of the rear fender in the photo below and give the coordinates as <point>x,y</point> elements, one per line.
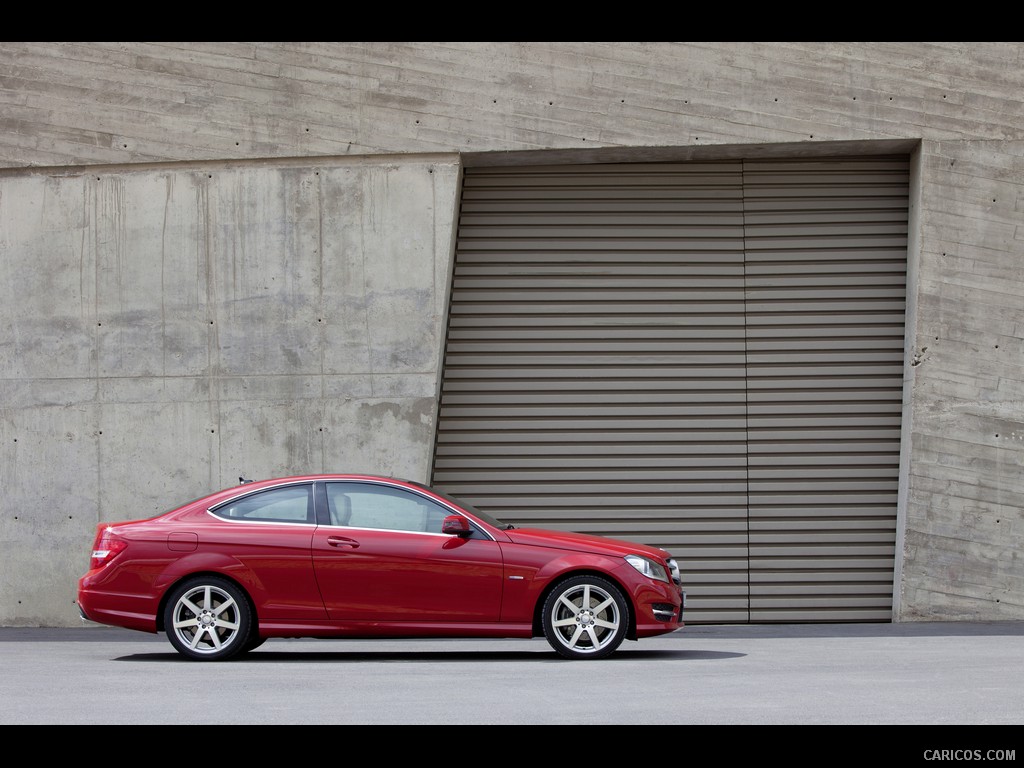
<point>208,562</point>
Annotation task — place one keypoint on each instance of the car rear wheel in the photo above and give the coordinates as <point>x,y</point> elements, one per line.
<point>208,619</point>
<point>585,617</point>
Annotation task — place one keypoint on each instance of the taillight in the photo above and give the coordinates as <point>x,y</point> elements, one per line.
<point>105,547</point>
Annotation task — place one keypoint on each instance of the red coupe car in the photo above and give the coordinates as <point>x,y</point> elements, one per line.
<point>359,556</point>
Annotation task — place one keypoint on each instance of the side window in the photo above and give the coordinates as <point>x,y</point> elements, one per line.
<point>292,504</point>
<point>364,505</point>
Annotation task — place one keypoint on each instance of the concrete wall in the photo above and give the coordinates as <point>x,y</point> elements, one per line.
<point>172,329</point>
<point>210,252</point>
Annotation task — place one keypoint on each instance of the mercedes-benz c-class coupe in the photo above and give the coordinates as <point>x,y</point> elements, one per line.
<point>362,556</point>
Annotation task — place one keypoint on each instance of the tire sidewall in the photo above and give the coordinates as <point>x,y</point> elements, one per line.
<point>552,635</point>
<point>239,642</point>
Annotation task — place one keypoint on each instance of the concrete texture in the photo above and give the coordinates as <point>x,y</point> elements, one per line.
<point>171,331</point>
<point>224,258</point>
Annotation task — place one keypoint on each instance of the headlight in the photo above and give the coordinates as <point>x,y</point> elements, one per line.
<point>673,568</point>
<point>648,568</point>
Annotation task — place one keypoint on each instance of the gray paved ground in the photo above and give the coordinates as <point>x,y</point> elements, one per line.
<point>929,674</point>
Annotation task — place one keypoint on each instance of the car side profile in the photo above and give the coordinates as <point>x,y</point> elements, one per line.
<point>363,556</point>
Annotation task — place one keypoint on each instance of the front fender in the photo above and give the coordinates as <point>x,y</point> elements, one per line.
<point>527,583</point>
<point>575,562</point>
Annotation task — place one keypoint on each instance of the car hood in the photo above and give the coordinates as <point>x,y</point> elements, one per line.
<point>581,542</point>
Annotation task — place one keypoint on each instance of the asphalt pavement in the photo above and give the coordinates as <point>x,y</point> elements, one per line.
<point>934,675</point>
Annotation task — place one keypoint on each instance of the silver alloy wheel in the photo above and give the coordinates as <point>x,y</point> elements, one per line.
<point>207,620</point>
<point>585,617</point>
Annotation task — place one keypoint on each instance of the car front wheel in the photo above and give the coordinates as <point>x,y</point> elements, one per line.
<point>585,617</point>
<point>208,619</point>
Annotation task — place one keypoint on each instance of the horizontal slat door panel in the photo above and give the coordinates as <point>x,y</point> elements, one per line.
<point>706,357</point>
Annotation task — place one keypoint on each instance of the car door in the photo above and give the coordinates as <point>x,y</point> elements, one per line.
<point>383,558</point>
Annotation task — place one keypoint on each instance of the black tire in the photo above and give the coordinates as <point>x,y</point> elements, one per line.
<point>208,618</point>
<point>585,617</point>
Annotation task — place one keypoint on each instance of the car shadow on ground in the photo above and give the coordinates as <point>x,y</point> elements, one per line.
<point>428,657</point>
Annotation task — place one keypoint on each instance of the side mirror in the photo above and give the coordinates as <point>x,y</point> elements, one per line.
<point>456,525</point>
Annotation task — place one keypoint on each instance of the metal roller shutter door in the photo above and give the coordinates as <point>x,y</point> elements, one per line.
<point>639,351</point>
<point>826,253</point>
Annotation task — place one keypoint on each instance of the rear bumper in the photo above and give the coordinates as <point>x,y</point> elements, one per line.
<point>110,609</point>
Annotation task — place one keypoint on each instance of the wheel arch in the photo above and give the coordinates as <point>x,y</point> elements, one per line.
<point>538,608</point>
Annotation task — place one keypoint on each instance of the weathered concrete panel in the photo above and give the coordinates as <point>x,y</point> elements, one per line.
<point>379,281</point>
<point>51,487</point>
<point>48,279</point>
<point>366,434</point>
<point>963,512</point>
<point>174,329</point>
<point>137,102</point>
